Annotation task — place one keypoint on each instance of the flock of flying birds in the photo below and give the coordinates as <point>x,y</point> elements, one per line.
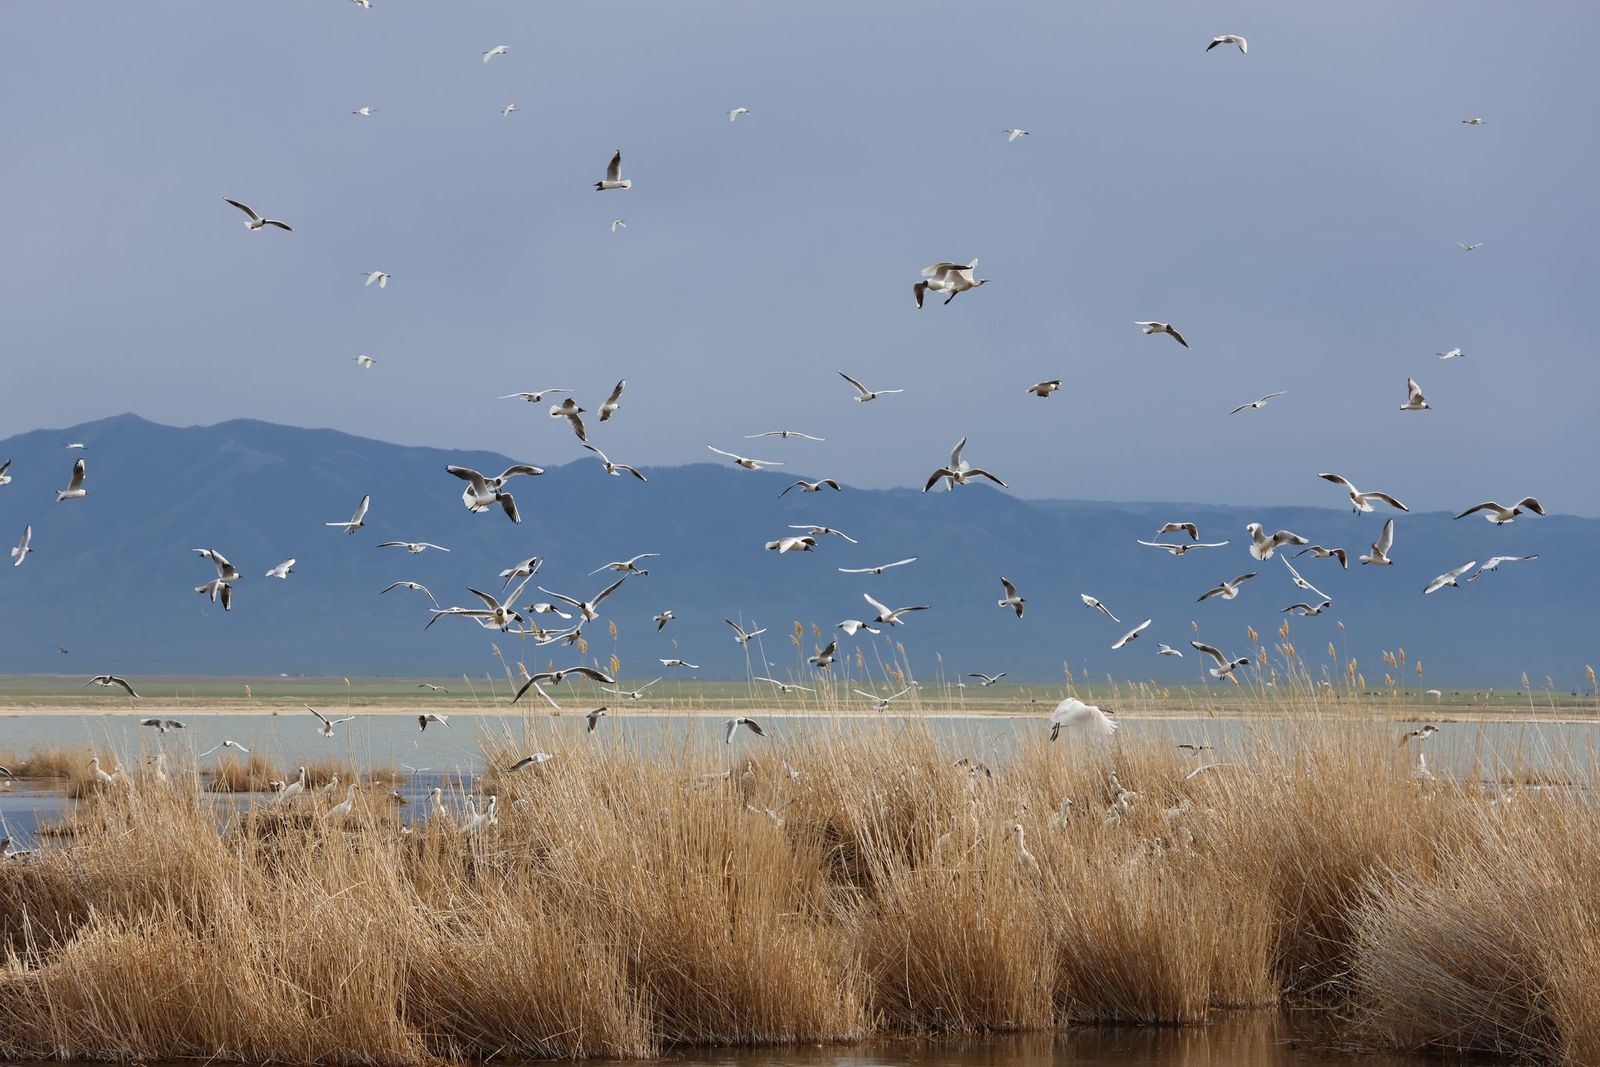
<point>498,611</point>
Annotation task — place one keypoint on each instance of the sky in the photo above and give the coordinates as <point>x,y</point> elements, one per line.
<point>1295,212</point>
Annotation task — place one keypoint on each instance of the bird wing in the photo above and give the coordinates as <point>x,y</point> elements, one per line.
<point>955,454</point>
<point>1387,499</point>
<point>490,602</point>
<point>720,452</point>
<point>616,394</point>
<point>614,168</point>
<point>77,476</point>
<point>1385,538</point>
<point>242,208</point>
<point>1413,391</point>
<point>317,713</point>
<point>607,591</point>
<point>1010,589</point>
<point>520,468</point>
<point>467,474</point>
<point>1338,480</point>
<point>1532,504</point>
<point>1216,654</point>
<point>863,390</point>
<point>361,511</point>
<point>1178,337</point>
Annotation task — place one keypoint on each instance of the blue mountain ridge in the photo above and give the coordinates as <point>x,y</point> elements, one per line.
<point>113,575</point>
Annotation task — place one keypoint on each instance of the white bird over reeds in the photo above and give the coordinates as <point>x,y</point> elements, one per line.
<point>785,434</point>
<point>432,716</point>
<point>1421,733</point>
<point>589,609</point>
<point>109,680</point>
<point>744,461</point>
<point>784,687</point>
<point>1227,590</point>
<point>1180,548</point>
<point>1163,327</point>
<point>1225,666</point>
<point>1074,714</point>
<point>863,394</point>
<point>381,277</point>
<point>1263,545</point>
<point>890,616</point>
<point>851,627</point>
<point>1327,553</point>
<point>1499,514</point>
<point>626,566</point>
<point>531,760</point>
<point>1362,501</point>
<point>254,221</point>
<point>1301,583</point>
<point>1012,599</point>
<point>592,718</point>
<point>282,570</point>
<point>327,724</point>
<point>812,487</point>
<point>20,552</point>
<point>1450,578</point>
<point>432,688</point>
<point>341,811</point>
<point>356,521</point>
<point>1309,610</point>
<point>224,744</point>
<point>294,788</point>
<point>414,547</point>
<point>436,798</point>
<point>493,615</point>
<point>959,471</point>
<point>614,178</point>
<point>74,489</point>
<point>821,531</point>
<point>614,469</point>
<point>880,568</point>
<point>415,587</point>
<point>792,544</point>
<point>742,636</point>
<point>1415,401</point>
<point>880,703</point>
<point>673,661</point>
<point>1230,38</point>
<point>946,277</point>
<point>732,727</point>
<point>1094,602</point>
<point>1044,389</point>
<point>823,658</point>
<point>1380,548</point>
<point>1131,635</point>
<point>1493,564</point>
<point>1256,405</point>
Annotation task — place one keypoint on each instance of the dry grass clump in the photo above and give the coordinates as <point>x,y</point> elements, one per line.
<point>47,761</point>
<point>231,775</point>
<point>840,884</point>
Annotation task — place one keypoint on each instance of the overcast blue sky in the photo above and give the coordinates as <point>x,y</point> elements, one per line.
<point>1295,212</point>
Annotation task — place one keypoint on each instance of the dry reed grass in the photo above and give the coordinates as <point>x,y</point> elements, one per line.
<point>847,881</point>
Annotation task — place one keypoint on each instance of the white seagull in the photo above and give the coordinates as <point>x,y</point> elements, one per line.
<point>821,531</point>
<point>1131,635</point>
<point>1449,578</point>
<point>74,489</point>
<point>1472,122</point>
<point>1493,564</point>
<point>613,402</point>
<point>792,544</point>
<point>784,687</point>
<point>614,469</point>
<point>732,727</point>
<point>1011,599</point>
<point>282,570</point>
<point>326,729</point>
<point>535,397</point>
<point>255,222</point>
<point>483,493</point>
<point>1013,134</point>
<point>882,703</point>
<point>785,434</point>
<point>381,277</point>
<point>415,587</point>
<point>366,362</point>
<point>109,680</point>
<point>1301,583</point>
<point>1163,327</point>
<point>863,394</point>
<point>413,547</point>
<point>1499,514</point>
<point>945,277</point>
<point>986,680</point>
<point>1465,247</point>
<point>1225,666</point>
<point>1262,546</point>
<point>1415,401</point>
<point>570,410</point>
<point>890,616</point>
<point>742,636</point>
<point>509,110</point>
<point>1359,500</point>
<point>365,111</point>
<point>742,461</point>
<point>1257,405</point>
<point>823,658</point>
<point>614,178</point>
<point>358,520</point>
<point>812,487</point>
<point>634,694</point>
<point>1327,553</point>
<point>618,224</point>
<point>1168,650</point>
<point>1182,547</point>
<point>1381,547</point>
<point>1044,389</point>
<point>497,50</point>
<point>1307,610</point>
<point>1094,602</point>
<point>1230,38</point>
<point>589,609</point>
<point>20,553</point>
<point>1192,529</point>
<point>626,566</point>
<point>1454,353</point>
<point>1227,590</point>
<point>733,115</point>
<point>880,568</point>
<point>432,716</point>
<point>959,472</point>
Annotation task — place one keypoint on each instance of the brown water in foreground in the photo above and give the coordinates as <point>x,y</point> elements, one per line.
<point>1257,1039</point>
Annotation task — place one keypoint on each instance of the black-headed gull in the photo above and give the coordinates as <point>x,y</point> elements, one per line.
<point>497,50</point>
<point>1192,529</point>
<point>823,658</point>
<point>891,616</point>
<point>74,489</point>
<point>1359,500</point>
<point>282,570</point>
<point>614,469</point>
<point>820,531</point>
<point>1225,666</point>
<point>1380,548</point>
<point>590,609</point>
<point>20,552</point>
<point>417,587</point>
<point>1011,599</point>
<point>414,547</point>
<point>254,221</point>
<point>1327,553</point>
<point>986,680</point>
<point>626,566</point>
<point>792,544</point>
<point>1415,401</point>
<point>1257,405</point>
<point>1454,353</point>
<point>784,687</point>
<point>1499,514</point>
<point>1163,327</point>
<point>110,680</point>
<point>863,394</point>
<point>1013,134</point>
<point>812,487</point>
<point>1449,577</point>
<point>1493,564</point>
<point>613,402</point>
<point>1131,635</point>
<point>533,397</point>
<point>733,115</point>
<point>732,727</point>
<point>1262,546</point>
<point>1308,610</point>
<point>356,521</point>
<point>1227,590</point>
<point>1094,602</point>
<point>1044,389</point>
<point>742,636</point>
<point>614,178</point>
<point>1233,39</point>
<point>945,277</point>
<point>880,568</point>
<point>1182,547</point>
<point>744,461</point>
<point>785,434</point>
<point>959,471</point>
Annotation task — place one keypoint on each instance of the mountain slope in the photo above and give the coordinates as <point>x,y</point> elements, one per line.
<point>113,574</point>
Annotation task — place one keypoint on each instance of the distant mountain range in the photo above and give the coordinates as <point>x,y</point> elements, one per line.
<point>112,575</point>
